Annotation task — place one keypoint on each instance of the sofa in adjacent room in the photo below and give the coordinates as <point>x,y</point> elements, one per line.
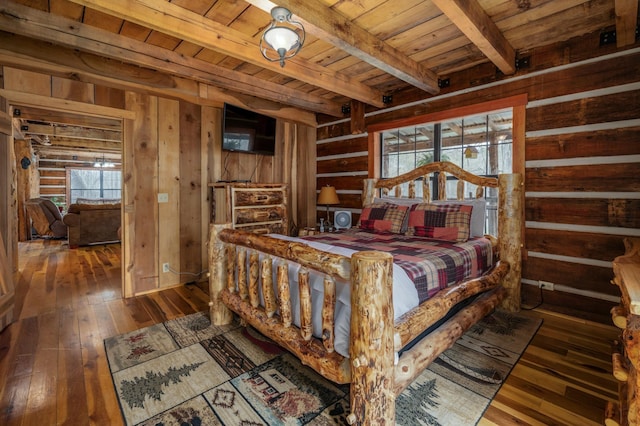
<point>93,222</point>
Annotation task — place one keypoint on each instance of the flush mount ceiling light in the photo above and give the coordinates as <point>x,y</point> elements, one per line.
<point>284,37</point>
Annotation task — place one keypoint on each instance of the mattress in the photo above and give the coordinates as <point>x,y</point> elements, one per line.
<point>421,268</point>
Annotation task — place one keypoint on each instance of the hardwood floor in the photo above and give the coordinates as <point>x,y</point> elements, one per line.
<point>53,368</point>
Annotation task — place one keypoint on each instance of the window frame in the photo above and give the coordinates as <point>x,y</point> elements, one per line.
<point>517,103</point>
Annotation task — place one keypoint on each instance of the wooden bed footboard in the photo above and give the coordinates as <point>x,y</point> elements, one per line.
<point>238,277</point>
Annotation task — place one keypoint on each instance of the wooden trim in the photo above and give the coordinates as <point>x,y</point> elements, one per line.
<point>29,99</point>
<point>374,154</point>
<point>5,123</point>
<point>518,132</point>
<point>511,101</point>
<point>7,289</point>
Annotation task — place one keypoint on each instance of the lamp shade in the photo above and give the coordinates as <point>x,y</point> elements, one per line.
<point>281,38</point>
<point>328,196</point>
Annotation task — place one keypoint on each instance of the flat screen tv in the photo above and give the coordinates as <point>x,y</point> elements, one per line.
<point>248,131</point>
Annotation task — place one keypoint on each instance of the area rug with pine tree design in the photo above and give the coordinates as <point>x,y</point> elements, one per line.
<point>188,372</point>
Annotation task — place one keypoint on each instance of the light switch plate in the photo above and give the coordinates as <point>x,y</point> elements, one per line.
<point>163,197</point>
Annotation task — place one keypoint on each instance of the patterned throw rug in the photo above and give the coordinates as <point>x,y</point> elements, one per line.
<point>188,372</point>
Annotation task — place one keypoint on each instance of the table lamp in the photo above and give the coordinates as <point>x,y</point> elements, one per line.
<point>328,197</point>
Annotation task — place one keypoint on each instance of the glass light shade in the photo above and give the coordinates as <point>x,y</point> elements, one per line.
<point>281,38</point>
<point>284,37</point>
<point>328,196</point>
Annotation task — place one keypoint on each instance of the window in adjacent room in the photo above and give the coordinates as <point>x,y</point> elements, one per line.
<point>93,183</point>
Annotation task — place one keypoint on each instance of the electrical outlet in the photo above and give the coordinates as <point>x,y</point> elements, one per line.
<point>165,267</point>
<point>546,285</point>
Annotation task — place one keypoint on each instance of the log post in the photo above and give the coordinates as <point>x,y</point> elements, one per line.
<point>267,286</point>
<point>442,186</point>
<point>242,273</point>
<point>254,268</point>
<point>306,326</point>
<point>412,189</point>
<point>328,313</point>
<point>426,189</point>
<point>284,298</point>
<point>369,191</point>
<point>460,190</point>
<point>218,312</point>
<point>371,347</point>
<point>231,269</point>
<point>510,243</point>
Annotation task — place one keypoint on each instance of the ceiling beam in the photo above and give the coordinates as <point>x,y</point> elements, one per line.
<point>33,55</point>
<point>181,23</point>
<point>61,117</point>
<point>69,131</point>
<point>626,22</point>
<point>474,22</point>
<point>61,142</point>
<point>30,99</point>
<point>56,29</point>
<point>330,26</point>
<point>91,153</point>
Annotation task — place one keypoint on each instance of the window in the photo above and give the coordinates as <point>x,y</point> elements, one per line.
<point>479,143</point>
<point>93,183</point>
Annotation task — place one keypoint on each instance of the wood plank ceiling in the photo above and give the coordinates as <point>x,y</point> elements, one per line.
<point>206,51</point>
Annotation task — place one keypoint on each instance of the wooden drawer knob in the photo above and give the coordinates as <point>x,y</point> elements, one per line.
<point>611,414</point>
<point>619,316</point>
<point>620,371</point>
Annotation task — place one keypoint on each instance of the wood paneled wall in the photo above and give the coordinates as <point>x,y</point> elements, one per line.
<point>8,201</point>
<point>170,147</point>
<point>582,159</point>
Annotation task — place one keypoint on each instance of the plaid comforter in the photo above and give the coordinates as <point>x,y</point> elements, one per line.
<point>432,265</point>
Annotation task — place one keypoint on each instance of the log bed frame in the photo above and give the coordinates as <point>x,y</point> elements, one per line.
<point>375,374</point>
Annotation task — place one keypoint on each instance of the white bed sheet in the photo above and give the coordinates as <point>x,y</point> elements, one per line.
<point>405,295</point>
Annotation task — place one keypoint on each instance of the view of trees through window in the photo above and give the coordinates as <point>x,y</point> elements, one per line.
<point>96,183</point>
<point>481,144</point>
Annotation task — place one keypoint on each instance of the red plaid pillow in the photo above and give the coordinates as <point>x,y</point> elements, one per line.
<point>383,218</point>
<point>449,222</point>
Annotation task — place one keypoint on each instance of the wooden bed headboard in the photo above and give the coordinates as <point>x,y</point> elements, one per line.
<point>373,186</point>
<point>509,241</point>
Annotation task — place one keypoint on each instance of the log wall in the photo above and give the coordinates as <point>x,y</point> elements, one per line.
<point>582,163</point>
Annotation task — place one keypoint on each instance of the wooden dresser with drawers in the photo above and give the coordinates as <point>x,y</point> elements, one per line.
<point>254,207</point>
